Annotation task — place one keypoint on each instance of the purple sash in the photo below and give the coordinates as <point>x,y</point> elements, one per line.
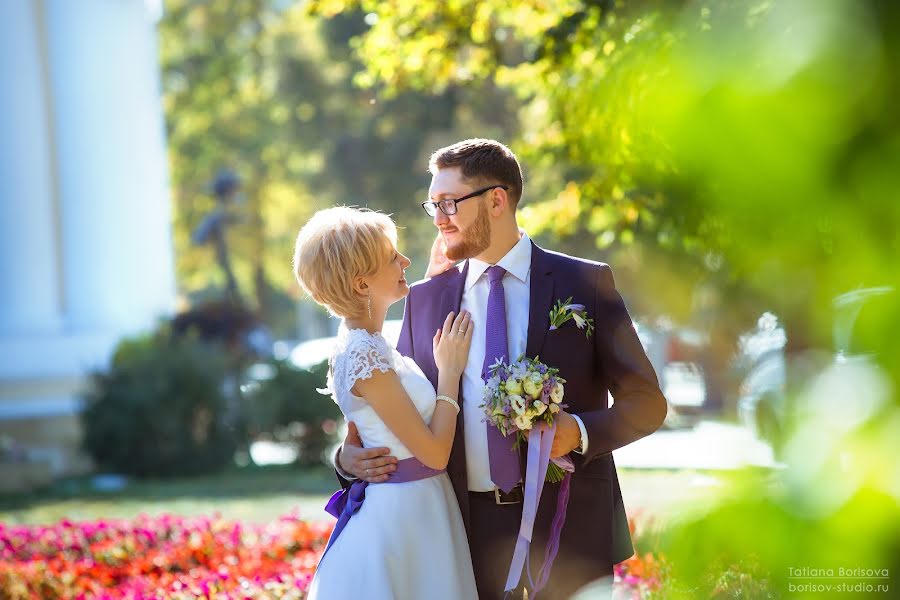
<point>345,502</point>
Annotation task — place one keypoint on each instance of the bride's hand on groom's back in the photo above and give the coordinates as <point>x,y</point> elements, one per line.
<point>451,344</point>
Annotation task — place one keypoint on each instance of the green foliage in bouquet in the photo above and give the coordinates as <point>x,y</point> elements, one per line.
<point>161,410</point>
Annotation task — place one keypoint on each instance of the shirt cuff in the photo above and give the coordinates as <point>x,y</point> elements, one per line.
<point>584,437</point>
<point>337,467</point>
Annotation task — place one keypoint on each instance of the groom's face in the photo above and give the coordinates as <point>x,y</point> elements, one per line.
<point>468,232</point>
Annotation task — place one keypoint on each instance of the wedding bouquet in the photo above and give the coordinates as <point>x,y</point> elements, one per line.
<point>521,394</point>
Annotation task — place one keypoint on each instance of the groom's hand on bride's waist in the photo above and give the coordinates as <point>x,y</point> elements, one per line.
<point>371,464</point>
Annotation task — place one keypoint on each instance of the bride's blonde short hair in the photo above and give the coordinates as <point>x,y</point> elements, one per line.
<point>336,246</point>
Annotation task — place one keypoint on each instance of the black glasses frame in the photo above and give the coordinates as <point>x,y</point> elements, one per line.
<point>448,205</point>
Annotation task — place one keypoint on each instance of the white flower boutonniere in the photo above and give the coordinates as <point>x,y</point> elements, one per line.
<point>564,311</point>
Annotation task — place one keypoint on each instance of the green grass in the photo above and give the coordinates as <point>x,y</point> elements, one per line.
<point>259,495</point>
<point>250,494</point>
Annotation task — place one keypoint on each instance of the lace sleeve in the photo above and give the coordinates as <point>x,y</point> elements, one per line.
<point>363,356</point>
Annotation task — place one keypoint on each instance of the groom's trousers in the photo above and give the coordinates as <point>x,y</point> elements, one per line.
<point>493,531</point>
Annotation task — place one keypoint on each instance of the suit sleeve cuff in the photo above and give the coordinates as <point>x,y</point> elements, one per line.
<point>584,436</point>
<point>346,475</point>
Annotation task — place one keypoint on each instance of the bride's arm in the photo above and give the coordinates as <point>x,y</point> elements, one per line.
<point>384,392</point>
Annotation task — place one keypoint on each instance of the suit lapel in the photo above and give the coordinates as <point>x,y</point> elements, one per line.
<point>450,299</point>
<point>540,301</point>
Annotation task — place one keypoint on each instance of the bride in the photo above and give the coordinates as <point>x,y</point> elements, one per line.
<point>403,538</point>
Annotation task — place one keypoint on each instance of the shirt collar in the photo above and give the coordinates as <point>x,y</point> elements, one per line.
<point>517,263</point>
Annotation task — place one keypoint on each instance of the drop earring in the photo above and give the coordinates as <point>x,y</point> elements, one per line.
<point>369,304</point>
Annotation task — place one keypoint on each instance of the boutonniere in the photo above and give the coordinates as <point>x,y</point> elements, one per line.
<point>564,311</point>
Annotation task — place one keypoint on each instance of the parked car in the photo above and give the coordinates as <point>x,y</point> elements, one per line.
<point>854,311</point>
<point>673,353</point>
<point>312,352</point>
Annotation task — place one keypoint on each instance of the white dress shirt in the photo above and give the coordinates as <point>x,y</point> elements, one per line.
<point>516,287</point>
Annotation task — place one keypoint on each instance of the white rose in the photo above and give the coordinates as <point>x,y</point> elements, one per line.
<point>532,387</point>
<point>523,422</point>
<point>540,407</point>
<point>513,386</point>
<point>554,408</point>
<point>518,403</point>
<point>556,394</point>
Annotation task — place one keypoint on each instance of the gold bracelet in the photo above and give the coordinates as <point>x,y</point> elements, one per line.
<point>450,400</point>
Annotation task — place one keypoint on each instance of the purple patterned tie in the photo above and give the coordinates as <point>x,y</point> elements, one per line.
<point>505,472</point>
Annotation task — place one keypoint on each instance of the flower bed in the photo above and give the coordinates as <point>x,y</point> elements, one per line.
<point>638,577</point>
<point>173,558</point>
<point>641,575</point>
<point>163,557</point>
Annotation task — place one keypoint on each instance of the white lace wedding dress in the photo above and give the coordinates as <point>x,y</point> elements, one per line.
<point>407,541</point>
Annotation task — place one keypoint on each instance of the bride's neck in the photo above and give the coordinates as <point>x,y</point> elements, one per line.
<point>373,325</point>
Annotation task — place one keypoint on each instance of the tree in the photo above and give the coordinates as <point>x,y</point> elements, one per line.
<point>268,90</point>
<point>746,149</point>
<point>740,148</point>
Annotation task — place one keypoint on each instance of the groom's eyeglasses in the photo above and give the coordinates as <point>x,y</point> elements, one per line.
<point>448,205</point>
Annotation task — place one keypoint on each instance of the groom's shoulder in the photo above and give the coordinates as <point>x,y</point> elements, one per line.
<point>567,261</point>
<point>576,268</point>
<point>435,284</point>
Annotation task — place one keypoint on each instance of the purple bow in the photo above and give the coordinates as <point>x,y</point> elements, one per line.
<point>344,503</point>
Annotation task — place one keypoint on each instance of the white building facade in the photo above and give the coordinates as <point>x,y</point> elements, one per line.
<point>85,218</point>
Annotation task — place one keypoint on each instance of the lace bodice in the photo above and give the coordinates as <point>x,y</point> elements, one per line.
<point>358,354</point>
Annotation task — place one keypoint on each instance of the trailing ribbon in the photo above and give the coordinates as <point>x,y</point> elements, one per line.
<point>345,502</point>
<point>559,519</point>
<point>540,441</point>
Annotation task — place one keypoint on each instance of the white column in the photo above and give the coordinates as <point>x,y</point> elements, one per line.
<point>29,270</point>
<point>113,186</point>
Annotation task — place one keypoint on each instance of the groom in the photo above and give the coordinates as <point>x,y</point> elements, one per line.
<point>510,284</point>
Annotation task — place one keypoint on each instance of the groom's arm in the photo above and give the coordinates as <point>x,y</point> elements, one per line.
<point>640,407</point>
<point>352,462</point>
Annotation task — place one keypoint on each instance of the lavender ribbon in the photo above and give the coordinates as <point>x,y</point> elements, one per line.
<point>540,442</point>
<point>344,503</point>
<point>559,519</point>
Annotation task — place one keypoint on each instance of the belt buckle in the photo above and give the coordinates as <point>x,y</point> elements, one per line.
<point>499,501</point>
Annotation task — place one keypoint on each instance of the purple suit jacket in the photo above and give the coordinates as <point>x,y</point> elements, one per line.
<point>596,531</point>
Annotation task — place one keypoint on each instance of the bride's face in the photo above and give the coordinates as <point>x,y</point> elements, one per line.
<point>389,284</point>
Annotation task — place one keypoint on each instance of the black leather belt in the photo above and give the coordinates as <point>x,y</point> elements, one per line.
<point>514,496</point>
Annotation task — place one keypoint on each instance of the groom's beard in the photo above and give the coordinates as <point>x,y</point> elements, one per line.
<point>475,239</point>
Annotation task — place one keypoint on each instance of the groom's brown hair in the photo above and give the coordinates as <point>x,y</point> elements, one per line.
<point>483,161</point>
